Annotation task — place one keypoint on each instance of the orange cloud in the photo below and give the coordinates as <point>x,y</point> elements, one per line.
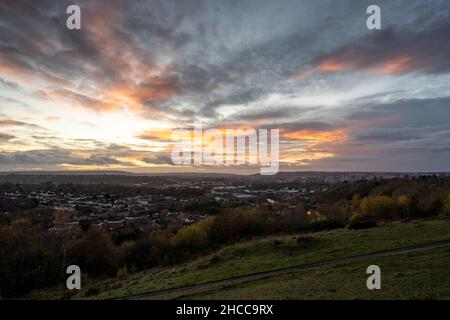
<point>140,80</point>
<point>10,122</point>
<point>126,77</point>
<point>304,157</point>
<point>135,96</point>
<point>157,134</point>
<point>52,118</point>
<point>314,135</point>
<point>331,65</point>
<point>309,145</point>
<point>395,66</point>
<point>326,66</point>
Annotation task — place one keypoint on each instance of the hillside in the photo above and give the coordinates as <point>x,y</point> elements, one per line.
<point>401,278</point>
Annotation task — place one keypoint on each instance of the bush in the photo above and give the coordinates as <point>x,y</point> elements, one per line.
<point>359,221</point>
<point>233,225</point>
<point>304,240</point>
<point>138,255</point>
<point>276,243</point>
<point>192,237</point>
<point>323,225</point>
<point>28,258</point>
<point>214,259</point>
<point>95,253</point>
<point>92,291</point>
<point>446,206</point>
<point>122,272</point>
<point>381,207</point>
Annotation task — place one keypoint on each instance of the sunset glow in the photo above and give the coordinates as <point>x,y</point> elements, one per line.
<point>109,96</point>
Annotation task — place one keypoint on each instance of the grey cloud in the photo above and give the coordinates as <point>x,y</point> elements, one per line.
<point>234,57</point>
<point>270,114</point>
<point>5,137</point>
<point>399,136</point>
<point>158,159</point>
<point>15,123</point>
<point>237,53</point>
<point>389,135</point>
<point>402,49</point>
<point>54,157</point>
<point>8,84</point>
<point>407,113</point>
<point>99,160</point>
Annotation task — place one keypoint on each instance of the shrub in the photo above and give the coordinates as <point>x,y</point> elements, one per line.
<point>359,221</point>
<point>404,206</point>
<point>304,240</point>
<point>446,205</point>
<point>276,243</point>
<point>192,237</point>
<point>138,256</point>
<point>214,259</point>
<point>28,259</point>
<point>92,291</point>
<point>233,225</point>
<point>122,272</point>
<point>383,207</point>
<point>160,240</point>
<point>328,224</point>
<point>95,253</point>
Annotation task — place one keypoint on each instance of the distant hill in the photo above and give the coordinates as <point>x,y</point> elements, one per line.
<point>78,173</point>
<point>126,177</point>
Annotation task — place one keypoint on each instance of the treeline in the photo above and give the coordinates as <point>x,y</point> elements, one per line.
<point>31,257</point>
<point>102,188</point>
<point>379,200</point>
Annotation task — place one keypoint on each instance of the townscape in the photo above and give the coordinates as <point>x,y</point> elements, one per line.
<point>156,203</point>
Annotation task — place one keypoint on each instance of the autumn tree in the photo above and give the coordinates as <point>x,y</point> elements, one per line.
<point>28,258</point>
<point>95,253</point>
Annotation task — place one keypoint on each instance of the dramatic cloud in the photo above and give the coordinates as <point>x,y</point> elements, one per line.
<point>110,94</point>
<point>392,51</point>
<point>55,157</point>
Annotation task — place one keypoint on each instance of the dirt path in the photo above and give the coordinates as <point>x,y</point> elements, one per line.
<point>267,274</point>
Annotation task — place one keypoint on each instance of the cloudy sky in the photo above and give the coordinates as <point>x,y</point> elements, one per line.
<point>109,95</point>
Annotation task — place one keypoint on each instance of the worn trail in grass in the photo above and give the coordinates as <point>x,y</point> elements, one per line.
<point>265,254</point>
<point>418,275</point>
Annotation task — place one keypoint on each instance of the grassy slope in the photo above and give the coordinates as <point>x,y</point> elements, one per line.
<point>267,254</point>
<point>419,275</point>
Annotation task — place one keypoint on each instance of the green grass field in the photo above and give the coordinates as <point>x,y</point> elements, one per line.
<point>419,275</point>
<point>283,251</point>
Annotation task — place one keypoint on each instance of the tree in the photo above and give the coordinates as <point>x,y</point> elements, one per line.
<point>404,203</point>
<point>192,237</point>
<point>383,207</point>
<point>95,253</point>
<point>28,258</point>
<point>161,246</point>
<point>137,254</point>
<point>446,205</point>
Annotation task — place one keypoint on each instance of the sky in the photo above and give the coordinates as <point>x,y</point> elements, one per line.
<point>108,96</point>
